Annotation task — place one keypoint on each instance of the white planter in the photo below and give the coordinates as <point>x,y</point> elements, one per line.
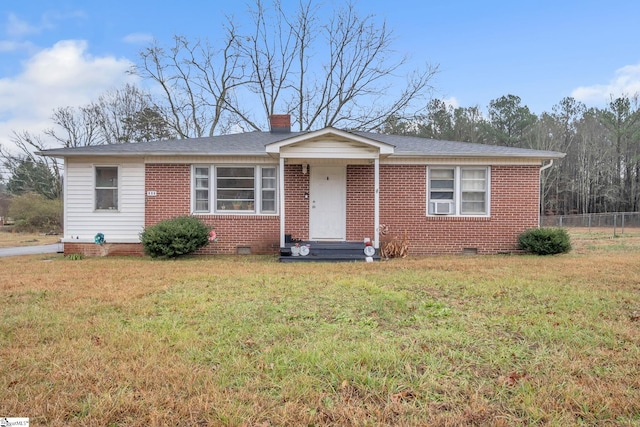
<point>295,250</point>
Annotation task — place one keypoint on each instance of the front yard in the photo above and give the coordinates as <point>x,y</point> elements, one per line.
<point>9,239</point>
<point>469,340</point>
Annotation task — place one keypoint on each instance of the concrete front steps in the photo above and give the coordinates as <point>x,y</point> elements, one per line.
<point>328,252</point>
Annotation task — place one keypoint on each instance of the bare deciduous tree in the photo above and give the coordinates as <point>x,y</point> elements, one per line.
<point>117,116</point>
<point>196,82</point>
<point>342,72</point>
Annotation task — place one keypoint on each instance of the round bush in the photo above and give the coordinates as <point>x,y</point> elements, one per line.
<point>174,237</point>
<point>545,241</point>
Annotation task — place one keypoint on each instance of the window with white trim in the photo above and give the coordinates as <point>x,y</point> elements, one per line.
<point>234,189</point>
<point>106,187</point>
<point>458,190</point>
<point>268,201</point>
<point>202,189</point>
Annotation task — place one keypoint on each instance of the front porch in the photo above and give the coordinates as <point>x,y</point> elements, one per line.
<point>326,252</point>
<point>329,193</point>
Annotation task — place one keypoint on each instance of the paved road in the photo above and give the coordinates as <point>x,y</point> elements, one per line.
<point>31,250</point>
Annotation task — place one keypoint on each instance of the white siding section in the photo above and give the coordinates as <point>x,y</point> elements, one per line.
<point>329,150</point>
<point>83,222</point>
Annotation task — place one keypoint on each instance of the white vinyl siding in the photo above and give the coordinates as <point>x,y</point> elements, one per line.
<point>245,189</point>
<point>83,221</point>
<point>458,190</point>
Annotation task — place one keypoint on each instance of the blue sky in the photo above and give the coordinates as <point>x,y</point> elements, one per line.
<point>67,52</point>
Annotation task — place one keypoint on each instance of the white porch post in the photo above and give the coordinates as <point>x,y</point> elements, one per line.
<point>282,222</point>
<point>376,203</point>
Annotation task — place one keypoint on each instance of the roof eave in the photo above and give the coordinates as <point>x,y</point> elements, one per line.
<point>478,155</point>
<point>150,154</point>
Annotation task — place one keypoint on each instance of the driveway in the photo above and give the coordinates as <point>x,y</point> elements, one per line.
<point>32,250</point>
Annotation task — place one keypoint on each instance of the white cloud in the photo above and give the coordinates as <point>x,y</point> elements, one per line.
<point>138,38</point>
<point>17,28</point>
<point>14,46</point>
<point>625,82</point>
<point>60,76</point>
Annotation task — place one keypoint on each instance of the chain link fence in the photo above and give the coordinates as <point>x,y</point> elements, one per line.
<point>617,222</point>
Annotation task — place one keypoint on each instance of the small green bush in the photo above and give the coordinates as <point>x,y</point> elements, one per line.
<point>34,213</point>
<point>174,237</point>
<point>545,241</point>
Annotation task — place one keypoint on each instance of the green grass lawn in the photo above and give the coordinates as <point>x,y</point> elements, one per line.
<point>473,340</point>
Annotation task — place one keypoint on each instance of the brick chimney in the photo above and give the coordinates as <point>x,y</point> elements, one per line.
<point>280,123</point>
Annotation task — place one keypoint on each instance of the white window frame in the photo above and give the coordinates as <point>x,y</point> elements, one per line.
<point>257,190</point>
<point>197,188</point>
<point>96,188</point>
<point>455,204</point>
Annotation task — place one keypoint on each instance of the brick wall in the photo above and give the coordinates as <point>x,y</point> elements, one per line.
<point>172,183</point>
<point>360,202</point>
<point>296,184</point>
<point>91,249</point>
<point>514,208</point>
<point>259,233</point>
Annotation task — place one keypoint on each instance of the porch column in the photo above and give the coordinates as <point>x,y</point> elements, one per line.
<point>376,203</point>
<point>281,188</point>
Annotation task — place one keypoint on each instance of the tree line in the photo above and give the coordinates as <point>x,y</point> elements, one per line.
<point>601,169</point>
<point>341,70</point>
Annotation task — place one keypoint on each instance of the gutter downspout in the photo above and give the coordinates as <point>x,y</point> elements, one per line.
<point>547,166</point>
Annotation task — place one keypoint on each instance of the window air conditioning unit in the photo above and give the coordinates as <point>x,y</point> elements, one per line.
<point>442,208</point>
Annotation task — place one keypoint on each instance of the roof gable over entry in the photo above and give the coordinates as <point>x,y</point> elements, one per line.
<point>329,143</point>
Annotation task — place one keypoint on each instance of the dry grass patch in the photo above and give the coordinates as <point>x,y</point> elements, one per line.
<point>588,240</point>
<point>9,239</point>
<point>505,340</point>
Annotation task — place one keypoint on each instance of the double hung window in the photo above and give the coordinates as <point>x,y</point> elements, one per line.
<point>458,191</point>
<point>202,189</point>
<point>235,189</point>
<point>106,188</point>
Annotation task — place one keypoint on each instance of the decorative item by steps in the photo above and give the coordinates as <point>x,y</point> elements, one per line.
<point>295,250</point>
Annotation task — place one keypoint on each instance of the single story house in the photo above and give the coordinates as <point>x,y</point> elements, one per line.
<point>263,190</point>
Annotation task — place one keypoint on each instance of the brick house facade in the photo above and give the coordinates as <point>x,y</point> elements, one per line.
<point>448,197</point>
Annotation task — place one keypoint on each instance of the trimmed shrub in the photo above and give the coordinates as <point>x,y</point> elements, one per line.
<point>545,241</point>
<point>34,213</point>
<point>174,237</point>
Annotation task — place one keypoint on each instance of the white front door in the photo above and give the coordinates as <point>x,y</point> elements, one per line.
<point>328,200</point>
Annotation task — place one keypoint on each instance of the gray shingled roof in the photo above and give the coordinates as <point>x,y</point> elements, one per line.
<point>254,144</point>
<point>417,146</point>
